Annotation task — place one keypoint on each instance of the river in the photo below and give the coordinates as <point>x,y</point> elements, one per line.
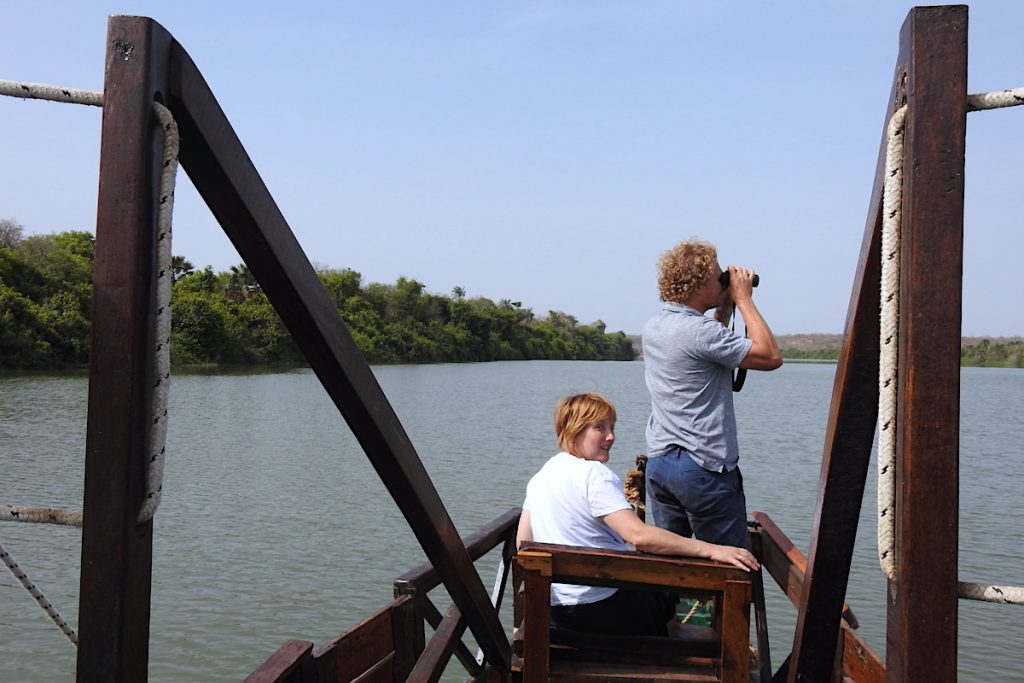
<point>274,525</point>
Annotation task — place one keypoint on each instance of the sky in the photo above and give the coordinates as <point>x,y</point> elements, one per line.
<point>543,152</point>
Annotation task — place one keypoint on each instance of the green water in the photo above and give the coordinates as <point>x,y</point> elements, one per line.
<point>274,525</point>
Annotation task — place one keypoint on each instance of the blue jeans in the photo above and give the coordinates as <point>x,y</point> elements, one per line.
<point>690,500</point>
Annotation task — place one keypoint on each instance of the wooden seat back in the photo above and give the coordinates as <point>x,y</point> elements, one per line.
<point>542,653</point>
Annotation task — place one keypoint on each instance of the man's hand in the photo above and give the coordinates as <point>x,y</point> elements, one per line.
<point>741,284</point>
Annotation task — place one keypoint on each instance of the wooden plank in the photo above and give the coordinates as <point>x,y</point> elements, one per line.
<point>736,632</point>
<point>859,661</point>
<point>438,652</point>
<point>361,648</point>
<point>601,567</point>
<point>434,618</point>
<point>286,665</point>
<point>764,656</point>
<point>226,178</point>
<point>783,561</point>
<point>381,672</point>
<point>787,564</point>
<point>114,609</point>
<point>922,614</point>
<point>584,671</point>
<point>536,620</point>
<point>781,568</point>
<point>848,438</point>
<point>425,578</point>
<point>406,636</point>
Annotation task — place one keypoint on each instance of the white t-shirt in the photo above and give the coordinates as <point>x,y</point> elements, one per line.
<point>565,500</point>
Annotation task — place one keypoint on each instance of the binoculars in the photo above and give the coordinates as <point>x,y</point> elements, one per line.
<point>724,279</point>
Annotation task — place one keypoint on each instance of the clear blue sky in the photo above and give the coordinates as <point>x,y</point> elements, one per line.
<point>545,152</point>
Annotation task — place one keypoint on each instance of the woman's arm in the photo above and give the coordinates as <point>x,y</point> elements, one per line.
<point>525,531</point>
<point>651,539</point>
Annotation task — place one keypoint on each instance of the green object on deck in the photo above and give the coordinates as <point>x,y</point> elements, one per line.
<point>695,612</point>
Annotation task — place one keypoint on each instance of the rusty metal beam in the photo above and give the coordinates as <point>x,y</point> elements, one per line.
<point>116,552</point>
<point>922,610</point>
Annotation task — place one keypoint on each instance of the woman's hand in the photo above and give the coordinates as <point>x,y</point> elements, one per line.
<point>738,557</point>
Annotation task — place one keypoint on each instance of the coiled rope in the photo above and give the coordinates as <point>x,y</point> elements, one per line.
<point>161,352</point>
<point>889,330</point>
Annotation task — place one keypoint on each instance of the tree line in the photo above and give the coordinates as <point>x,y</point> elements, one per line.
<point>225,318</point>
<point>984,353</point>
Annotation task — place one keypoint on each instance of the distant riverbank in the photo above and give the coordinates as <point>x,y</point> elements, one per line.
<point>992,352</point>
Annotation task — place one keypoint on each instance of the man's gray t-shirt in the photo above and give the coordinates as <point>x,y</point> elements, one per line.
<point>689,359</point>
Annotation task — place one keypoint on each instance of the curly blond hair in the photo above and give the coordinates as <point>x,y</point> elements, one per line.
<point>574,414</point>
<point>684,268</point>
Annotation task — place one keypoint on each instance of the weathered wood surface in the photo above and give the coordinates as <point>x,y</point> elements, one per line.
<point>543,563</point>
<point>114,603</point>
<point>227,180</point>
<point>434,618</point>
<point>369,646</point>
<point>143,63</point>
<point>853,415</point>
<point>292,663</point>
<point>376,649</point>
<point>425,578</point>
<point>921,636</point>
<point>439,650</point>
<point>419,581</point>
<point>764,656</point>
<point>536,653</point>
<point>584,671</point>
<point>785,563</point>
<point>922,617</point>
<point>620,568</point>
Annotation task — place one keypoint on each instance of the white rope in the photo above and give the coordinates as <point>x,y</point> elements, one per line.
<point>14,513</point>
<point>1008,595</point>
<point>161,353</point>
<point>161,358</point>
<point>37,594</point>
<point>995,100</point>
<point>41,91</point>
<point>889,331</point>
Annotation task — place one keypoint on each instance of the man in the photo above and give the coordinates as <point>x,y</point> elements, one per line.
<point>693,478</point>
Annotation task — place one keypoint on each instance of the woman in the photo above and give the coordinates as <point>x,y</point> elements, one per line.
<point>576,500</point>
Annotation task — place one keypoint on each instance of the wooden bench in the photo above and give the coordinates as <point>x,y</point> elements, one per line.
<point>540,653</point>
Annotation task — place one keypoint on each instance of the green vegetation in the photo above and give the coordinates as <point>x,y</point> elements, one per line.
<point>811,354</point>
<point>1002,353</point>
<point>225,318</point>
<point>986,354</point>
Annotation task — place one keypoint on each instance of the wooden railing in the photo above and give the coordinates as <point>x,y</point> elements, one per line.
<point>788,566</point>
<point>390,645</point>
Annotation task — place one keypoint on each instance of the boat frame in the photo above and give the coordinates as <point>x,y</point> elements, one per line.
<point>144,64</point>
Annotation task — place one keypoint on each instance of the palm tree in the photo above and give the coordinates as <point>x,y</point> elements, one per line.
<point>180,267</point>
<point>241,283</point>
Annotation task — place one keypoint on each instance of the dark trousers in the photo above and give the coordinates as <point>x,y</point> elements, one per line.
<point>624,613</point>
